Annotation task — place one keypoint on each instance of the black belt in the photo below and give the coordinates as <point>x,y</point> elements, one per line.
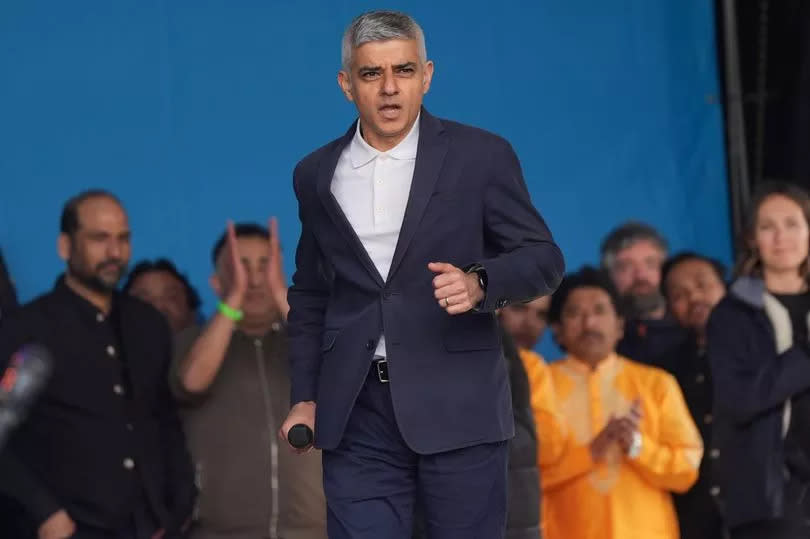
<point>380,367</point>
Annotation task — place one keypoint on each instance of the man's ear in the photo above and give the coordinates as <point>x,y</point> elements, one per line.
<point>345,83</point>
<point>427,76</point>
<point>63,246</point>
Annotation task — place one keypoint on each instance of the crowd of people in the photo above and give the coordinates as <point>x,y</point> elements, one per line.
<point>681,407</point>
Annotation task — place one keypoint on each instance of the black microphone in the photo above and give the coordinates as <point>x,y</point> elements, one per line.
<point>300,436</point>
<point>23,380</point>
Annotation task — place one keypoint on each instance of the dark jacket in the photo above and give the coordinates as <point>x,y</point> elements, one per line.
<point>698,511</point>
<point>757,370</point>
<point>104,432</point>
<point>468,204</point>
<point>652,342</point>
<point>523,511</point>
<point>523,515</point>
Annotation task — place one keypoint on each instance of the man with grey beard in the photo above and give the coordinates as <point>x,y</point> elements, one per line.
<point>633,254</point>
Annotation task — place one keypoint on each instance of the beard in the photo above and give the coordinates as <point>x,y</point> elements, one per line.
<point>643,305</point>
<point>95,279</point>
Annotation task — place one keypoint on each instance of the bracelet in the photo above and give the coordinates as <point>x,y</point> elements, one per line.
<point>229,312</point>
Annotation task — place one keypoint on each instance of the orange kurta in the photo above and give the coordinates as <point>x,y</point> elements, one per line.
<point>621,497</point>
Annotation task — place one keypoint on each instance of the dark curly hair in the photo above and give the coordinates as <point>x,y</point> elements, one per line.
<point>587,277</point>
<point>163,264</point>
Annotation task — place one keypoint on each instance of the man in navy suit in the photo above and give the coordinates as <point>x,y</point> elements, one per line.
<point>414,231</point>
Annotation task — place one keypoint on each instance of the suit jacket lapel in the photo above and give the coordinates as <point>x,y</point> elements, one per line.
<point>326,172</point>
<point>430,155</point>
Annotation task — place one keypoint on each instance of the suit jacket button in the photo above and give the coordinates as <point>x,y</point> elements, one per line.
<point>370,345</point>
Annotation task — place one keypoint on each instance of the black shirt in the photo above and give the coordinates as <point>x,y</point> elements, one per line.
<point>104,433</point>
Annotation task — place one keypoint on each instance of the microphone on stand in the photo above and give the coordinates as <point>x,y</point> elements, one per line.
<point>21,383</point>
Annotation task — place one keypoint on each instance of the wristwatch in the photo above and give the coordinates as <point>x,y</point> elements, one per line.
<point>481,272</point>
<point>635,447</point>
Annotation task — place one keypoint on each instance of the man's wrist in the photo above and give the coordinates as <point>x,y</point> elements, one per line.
<point>229,312</point>
<point>479,273</point>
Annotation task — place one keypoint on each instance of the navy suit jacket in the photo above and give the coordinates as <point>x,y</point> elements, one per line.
<point>468,203</point>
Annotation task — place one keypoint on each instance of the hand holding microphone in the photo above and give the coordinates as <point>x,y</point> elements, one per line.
<point>299,427</point>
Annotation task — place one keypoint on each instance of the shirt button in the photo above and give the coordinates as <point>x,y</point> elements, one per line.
<point>130,427</point>
<point>111,351</point>
<point>370,345</point>
<point>700,378</point>
<point>714,453</point>
<point>714,491</point>
<point>708,418</point>
<point>118,389</point>
<point>129,463</point>
<point>99,317</point>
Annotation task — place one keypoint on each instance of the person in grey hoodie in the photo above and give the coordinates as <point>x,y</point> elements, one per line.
<point>233,381</point>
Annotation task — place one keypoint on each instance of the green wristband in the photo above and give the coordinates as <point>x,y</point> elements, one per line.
<point>229,312</point>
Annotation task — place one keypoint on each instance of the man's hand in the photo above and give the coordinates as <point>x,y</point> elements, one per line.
<point>234,296</point>
<point>457,292</point>
<point>603,440</point>
<point>627,426</point>
<point>302,413</point>
<point>58,526</point>
<point>275,271</point>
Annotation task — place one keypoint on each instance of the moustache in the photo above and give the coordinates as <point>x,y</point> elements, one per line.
<point>112,263</point>
<point>591,333</point>
<point>641,285</point>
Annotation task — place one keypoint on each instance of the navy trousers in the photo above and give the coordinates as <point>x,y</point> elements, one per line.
<point>373,480</point>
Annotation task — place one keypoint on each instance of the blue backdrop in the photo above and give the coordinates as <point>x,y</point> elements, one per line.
<point>196,111</point>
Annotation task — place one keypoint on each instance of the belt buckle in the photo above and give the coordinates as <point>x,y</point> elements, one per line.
<point>382,370</point>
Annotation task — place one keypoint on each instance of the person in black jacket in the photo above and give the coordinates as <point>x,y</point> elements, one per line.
<point>758,348</point>
<point>633,254</point>
<point>693,284</point>
<point>102,454</point>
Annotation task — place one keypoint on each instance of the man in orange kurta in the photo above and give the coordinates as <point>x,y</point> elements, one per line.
<point>626,438</point>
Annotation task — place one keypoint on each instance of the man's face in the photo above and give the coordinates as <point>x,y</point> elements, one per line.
<point>255,253</point>
<point>525,322</point>
<point>693,289</point>
<point>97,254</point>
<point>636,272</point>
<point>167,294</point>
<point>386,82</point>
<point>589,326</point>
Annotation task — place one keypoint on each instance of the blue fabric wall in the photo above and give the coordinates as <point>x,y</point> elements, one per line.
<point>196,111</point>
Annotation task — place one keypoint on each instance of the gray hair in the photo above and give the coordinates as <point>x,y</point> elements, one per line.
<point>380,26</point>
<point>627,235</point>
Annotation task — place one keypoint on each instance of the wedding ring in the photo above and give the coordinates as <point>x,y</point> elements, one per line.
<point>446,302</point>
